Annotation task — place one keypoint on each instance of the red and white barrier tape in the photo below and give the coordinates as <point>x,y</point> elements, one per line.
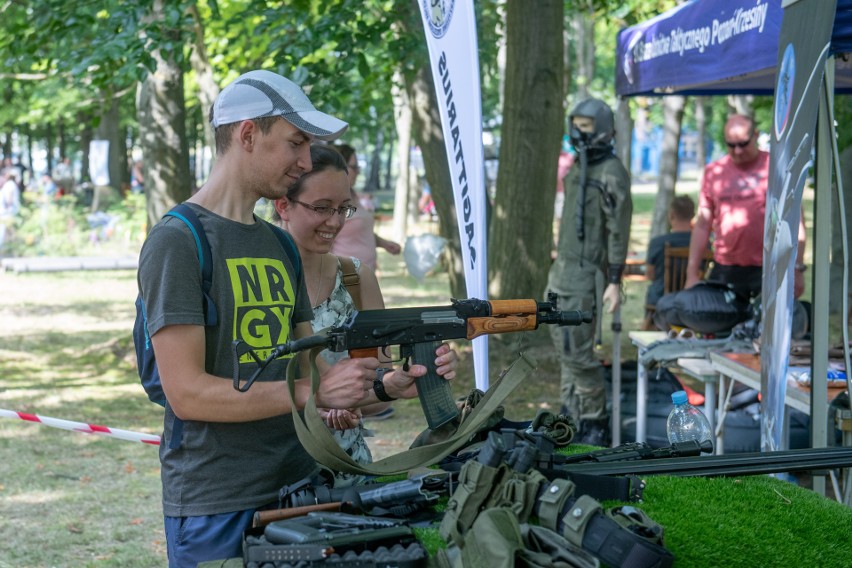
<point>83,427</point>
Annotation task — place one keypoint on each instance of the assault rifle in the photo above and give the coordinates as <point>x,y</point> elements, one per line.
<point>523,451</point>
<point>638,451</point>
<point>418,332</point>
<point>332,539</point>
<point>397,498</point>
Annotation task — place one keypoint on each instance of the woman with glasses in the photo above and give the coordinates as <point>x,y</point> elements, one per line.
<point>314,211</point>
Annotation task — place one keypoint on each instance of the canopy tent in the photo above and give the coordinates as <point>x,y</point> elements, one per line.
<point>720,47</point>
<point>716,47</point>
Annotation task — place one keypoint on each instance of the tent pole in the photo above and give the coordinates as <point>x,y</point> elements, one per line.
<point>822,238</point>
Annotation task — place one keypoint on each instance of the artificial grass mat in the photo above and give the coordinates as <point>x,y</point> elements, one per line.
<point>753,521</point>
<point>748,521</point>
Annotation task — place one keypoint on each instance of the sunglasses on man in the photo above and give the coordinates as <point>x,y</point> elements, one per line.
<point>742,144</point>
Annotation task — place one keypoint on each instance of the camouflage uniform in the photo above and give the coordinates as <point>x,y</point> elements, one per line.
<point>607,210</point>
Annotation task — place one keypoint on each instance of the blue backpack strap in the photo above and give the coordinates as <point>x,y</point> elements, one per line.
<point>185,213</point>
<point>289,246</point>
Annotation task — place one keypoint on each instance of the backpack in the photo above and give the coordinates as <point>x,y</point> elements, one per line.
<point>146,364</point>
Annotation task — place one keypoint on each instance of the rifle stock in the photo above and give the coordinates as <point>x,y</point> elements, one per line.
<point>263,518</point>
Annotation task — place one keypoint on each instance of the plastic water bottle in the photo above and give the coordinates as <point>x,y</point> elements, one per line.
<point>685,422</point>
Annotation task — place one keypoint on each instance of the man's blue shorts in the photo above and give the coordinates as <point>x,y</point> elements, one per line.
<point>191,540</point>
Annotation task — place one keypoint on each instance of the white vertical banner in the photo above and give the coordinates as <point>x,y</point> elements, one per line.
<point>453,52</point>
<point>99,162</point>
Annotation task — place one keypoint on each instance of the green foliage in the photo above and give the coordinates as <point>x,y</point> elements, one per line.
<point>61,227</point>
<point>48,229</point>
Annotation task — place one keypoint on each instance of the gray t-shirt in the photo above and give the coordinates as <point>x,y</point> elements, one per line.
<point>225,467</point>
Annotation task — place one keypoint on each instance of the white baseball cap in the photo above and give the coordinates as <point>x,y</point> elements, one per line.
<point>260,93</point>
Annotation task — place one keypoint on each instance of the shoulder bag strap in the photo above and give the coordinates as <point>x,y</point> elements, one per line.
<point>351,279</point>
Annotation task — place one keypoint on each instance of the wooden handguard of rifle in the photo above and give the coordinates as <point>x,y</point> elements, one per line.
<point>263,518</point>
<point>506,316</point>
<point>365,352</point>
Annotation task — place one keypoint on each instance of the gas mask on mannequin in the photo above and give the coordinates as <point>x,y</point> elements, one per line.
<point>598,143</point>
<point>592,131</point>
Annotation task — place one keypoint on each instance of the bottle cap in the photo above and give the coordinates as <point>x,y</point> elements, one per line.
<point>679,397</point>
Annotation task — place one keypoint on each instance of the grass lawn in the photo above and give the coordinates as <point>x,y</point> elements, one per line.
<point>68,499</point>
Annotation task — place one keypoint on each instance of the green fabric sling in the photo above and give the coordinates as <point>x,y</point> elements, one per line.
<point>321,445</point>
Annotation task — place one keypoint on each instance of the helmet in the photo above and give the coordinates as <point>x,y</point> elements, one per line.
<point>604,132</point>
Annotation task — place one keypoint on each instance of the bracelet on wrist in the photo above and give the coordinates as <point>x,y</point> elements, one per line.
<point>379,386</point>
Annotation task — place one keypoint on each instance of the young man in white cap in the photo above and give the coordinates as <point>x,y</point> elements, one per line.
<point>237,449</point>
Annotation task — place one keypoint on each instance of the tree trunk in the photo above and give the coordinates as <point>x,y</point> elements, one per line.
<point>519,248</point>
<point>162,133</point>
<point>387,178</point>
<point>429,136</point>
<point>86,137</point>
<point>402,112</point>
<point>623,132</point>
<point>374,164</point>
<point>208,90</point>
<point>109,128</point>
<point>62,144</point>
<point>48,142</point>
<point>741,104</point>
<point>701,127</point>
<point>582,25</point>
<point>28,136</point>
<point>672,119</point>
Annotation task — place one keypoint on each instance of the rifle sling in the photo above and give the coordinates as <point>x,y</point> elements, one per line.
<point>601,487</point>
<point>319,442</point>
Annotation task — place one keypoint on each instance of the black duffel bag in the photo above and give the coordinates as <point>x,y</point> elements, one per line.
<point>707,307</point>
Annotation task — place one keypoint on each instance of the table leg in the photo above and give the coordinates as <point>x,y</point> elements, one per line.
<point>641,402</point>
<point>615,419</point>
<point>720,422</point>
<point>710,406</point>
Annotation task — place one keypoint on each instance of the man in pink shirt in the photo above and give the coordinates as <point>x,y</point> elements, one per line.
<point>732,206</point>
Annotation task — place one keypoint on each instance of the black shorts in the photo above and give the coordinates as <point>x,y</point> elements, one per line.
<point>745,280</point>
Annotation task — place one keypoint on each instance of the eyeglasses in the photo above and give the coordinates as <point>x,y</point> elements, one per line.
<point>742,144</point>
<point>345,211</point>
<point>354,166</point>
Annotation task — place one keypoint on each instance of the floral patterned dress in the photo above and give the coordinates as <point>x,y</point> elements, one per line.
<point>334,311</point>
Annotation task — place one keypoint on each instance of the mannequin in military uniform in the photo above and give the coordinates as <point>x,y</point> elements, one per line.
<point>593,237</point>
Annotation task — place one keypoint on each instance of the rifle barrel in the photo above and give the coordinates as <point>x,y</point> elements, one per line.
<point>752,463</point>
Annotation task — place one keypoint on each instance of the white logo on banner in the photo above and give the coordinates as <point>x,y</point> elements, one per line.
<point>440,13</point>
